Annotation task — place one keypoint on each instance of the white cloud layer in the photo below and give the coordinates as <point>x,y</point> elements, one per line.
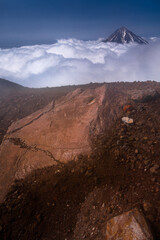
<point>73,61</point>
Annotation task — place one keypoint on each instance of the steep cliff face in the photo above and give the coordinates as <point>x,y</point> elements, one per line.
<point>61,131</point>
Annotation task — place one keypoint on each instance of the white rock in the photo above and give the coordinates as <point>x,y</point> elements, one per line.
<point>127,120</point>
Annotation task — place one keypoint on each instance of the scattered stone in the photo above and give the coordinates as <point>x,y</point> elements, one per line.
<point>136,151</point>
<point>110,210</point>
<point>127,120</point>
<point>153,179</point>
<point>157,189</point>
<point>146,162</point>
<point>38,217</point>
<point>146,206</point>
<point>145,138</point>
<point>118,142</point>
<point>121,137</point>
<point>150,211</point>
<point>127,108</point>
<point>154,168</point>
<point>128,226</point>
<point>152,130</point>
<point>150,143</point>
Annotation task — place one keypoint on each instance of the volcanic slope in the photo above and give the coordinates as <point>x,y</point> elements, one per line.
<point>17,101</point>
<point>74,201</point>
<point>62,130</point>
<point>123,35</point>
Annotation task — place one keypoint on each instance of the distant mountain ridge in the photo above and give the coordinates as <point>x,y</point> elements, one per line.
<point>6,87</point>
<point>123,35</point>
<point>8,84</point>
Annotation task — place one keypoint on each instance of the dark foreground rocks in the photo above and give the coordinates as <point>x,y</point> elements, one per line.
<point>130,225</point>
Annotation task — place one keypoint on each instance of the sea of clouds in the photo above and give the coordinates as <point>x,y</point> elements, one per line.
<point>72,61</point>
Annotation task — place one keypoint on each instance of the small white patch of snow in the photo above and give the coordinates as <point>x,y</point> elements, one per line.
<point>131,37</point>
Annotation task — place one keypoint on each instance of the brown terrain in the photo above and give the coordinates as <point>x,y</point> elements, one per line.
<point>69,163</point>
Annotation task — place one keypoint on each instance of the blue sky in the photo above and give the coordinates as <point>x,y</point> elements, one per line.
<point>42,21</point>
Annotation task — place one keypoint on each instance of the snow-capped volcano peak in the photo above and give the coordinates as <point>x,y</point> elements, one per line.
<point>123,35</point>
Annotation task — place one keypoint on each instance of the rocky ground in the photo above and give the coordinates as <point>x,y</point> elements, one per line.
<point>74,201</point>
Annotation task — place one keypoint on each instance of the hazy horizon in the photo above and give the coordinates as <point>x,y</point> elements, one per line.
<point>20,43</point>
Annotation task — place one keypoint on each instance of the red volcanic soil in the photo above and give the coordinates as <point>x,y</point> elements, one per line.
<point>17,102</point>
<point>74,201</point>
